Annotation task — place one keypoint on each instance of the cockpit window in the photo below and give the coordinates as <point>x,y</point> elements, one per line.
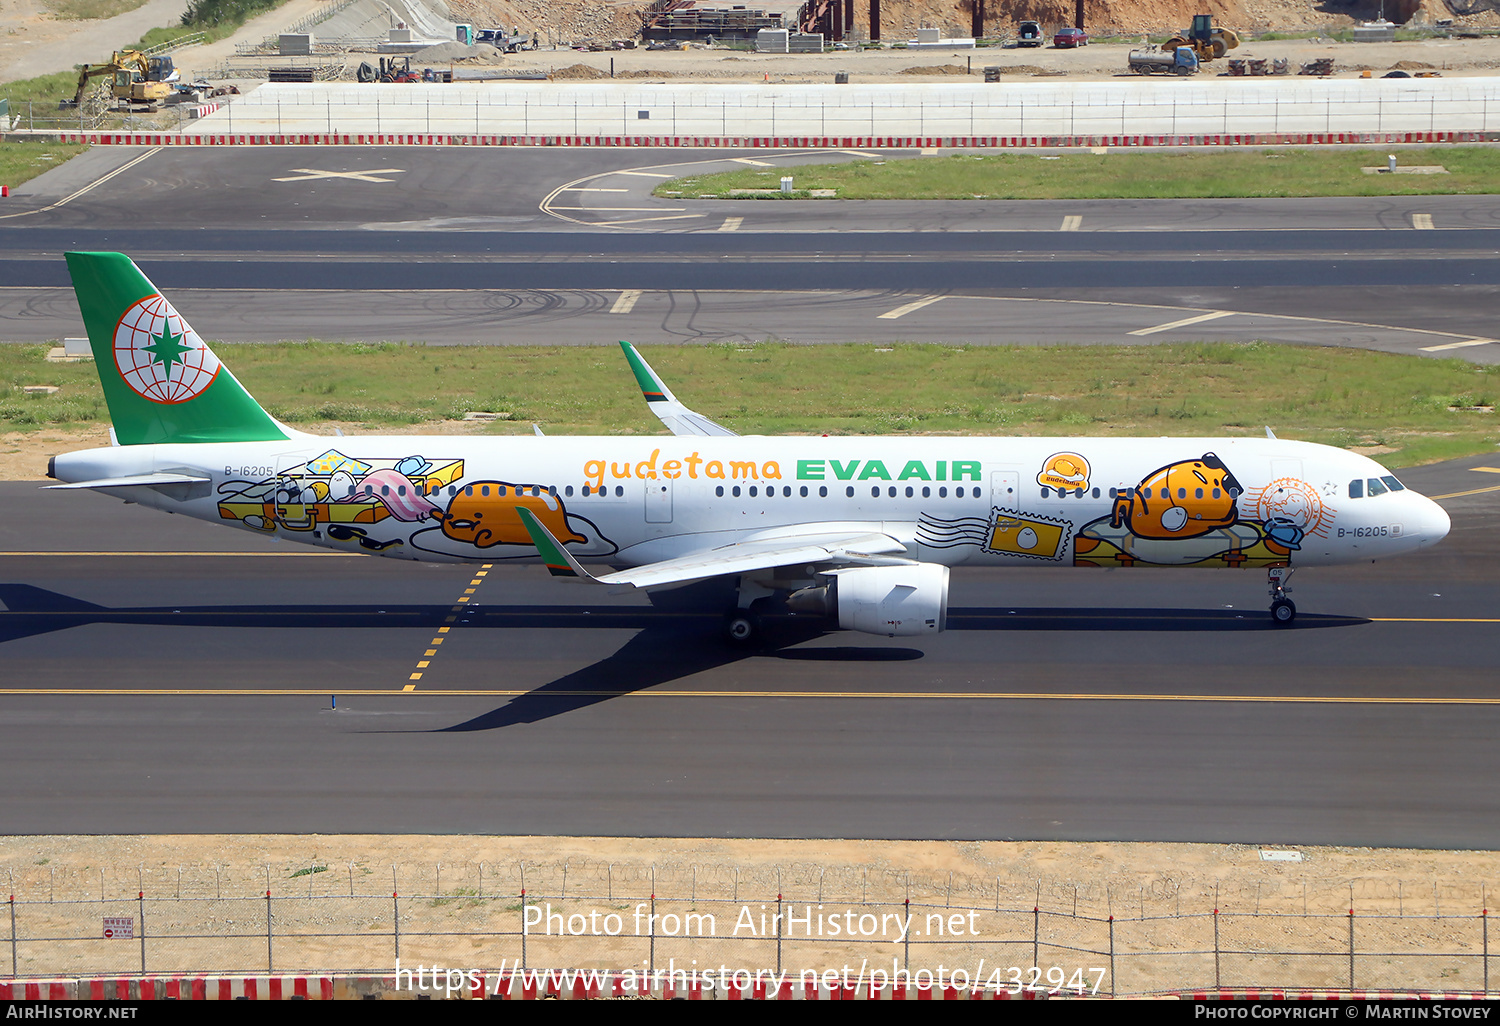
<point>1376,488</point>
<point>1393,484</point>
<point>1357,488</point>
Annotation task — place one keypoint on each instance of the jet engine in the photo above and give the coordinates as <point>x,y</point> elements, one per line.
<point>897,601</point>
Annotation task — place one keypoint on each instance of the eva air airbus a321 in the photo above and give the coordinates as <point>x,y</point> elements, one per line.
<point>862,530</point>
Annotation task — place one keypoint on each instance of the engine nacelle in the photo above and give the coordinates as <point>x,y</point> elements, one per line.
<point>897,601</point>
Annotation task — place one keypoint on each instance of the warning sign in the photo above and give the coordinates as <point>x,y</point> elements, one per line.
<point>119,927</point>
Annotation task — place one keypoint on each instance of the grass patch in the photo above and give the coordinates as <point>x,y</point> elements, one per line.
<point>1472,170</point>
<point>1342,397</point>
<point>308,871</point>
<point>89,10</point>
<point>22,159</point>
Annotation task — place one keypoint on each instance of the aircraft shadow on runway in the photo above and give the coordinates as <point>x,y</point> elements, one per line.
<point>675,638</point>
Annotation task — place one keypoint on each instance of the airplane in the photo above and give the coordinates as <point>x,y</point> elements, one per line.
<point>859,530</point>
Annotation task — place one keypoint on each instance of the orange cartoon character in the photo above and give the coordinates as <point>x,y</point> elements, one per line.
<point>484,513</point>
<point>1181,500</point>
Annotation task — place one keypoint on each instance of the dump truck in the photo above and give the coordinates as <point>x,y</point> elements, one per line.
<point>1208,43</point>
<point>1181,61</point>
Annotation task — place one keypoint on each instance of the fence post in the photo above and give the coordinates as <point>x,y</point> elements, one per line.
<point>1217,984</point>
<point>12,935</point>
<point>1036,933</point>
<point>651,961</point>
<point>1484,926</point>
<point>270,962</point>
<point>396,923</point>
<point>523,922</point>
<point>779,926</point>
<point>905,941</point>
<point>1351,949</point>
<point>140,907</point>
<point>1111,956</point>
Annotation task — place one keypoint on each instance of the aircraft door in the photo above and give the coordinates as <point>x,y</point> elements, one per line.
<point>658,501</point>
<point>1005,489</point>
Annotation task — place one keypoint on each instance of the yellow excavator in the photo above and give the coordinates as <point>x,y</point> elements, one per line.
<point>1203,39</point>
<point>138,80</point>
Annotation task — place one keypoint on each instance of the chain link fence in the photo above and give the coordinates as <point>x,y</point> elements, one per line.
<point>781,919</point>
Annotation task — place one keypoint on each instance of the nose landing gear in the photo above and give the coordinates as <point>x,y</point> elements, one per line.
<point>1283,610</point>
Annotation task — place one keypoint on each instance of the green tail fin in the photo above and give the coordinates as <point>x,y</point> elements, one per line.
<point>161,382</point>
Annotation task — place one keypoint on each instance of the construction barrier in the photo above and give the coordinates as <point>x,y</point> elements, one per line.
<point>776,142</point>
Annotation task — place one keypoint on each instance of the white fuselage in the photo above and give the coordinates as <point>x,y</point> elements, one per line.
<point>951,500</point>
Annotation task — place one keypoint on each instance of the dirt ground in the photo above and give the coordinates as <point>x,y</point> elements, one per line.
<point>1103,878</point>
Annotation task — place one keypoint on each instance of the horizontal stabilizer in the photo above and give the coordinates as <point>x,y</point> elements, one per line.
<point>132,481</point>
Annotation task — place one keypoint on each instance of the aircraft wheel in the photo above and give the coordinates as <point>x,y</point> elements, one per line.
<point>741,628</point>
<point>1283,612</point>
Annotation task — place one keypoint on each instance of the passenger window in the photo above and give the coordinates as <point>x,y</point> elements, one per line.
<point>893,491</point>
<point>942,493</point>
<point>501,491</point>
<point>1197,493</point>
<point>1096,493</point>
<point>804,491</point>
<point>1376,488</point>
<point>753,491</point>
<point>484,489</point>
<point>1393,484</point>
<point>568,491</point>
<point>786,491</point>
<point>1182,493</point>
<point>719,491</point>
<point>849,491</point>
<point>385,489</point>
<point>875,492</point>
<point>1216,493</point>
<point>822,491</point>
<point>619,490</point>
<point>926,493</point>
<point>736,491</point>
<point>1045,491</point>
<point>959,492</point>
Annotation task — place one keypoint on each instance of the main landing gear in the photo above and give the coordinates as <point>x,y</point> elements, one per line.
<point>1283,609</point>
<point>742,624</point>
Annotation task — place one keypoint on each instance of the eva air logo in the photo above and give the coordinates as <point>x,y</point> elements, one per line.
<point>160,356</point>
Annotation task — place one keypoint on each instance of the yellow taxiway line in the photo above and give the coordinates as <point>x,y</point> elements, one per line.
<point>908,695</point>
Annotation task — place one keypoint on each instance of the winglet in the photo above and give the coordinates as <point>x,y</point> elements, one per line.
<point>653,388</point>
<point>560,562</point>
<point>678,418</point>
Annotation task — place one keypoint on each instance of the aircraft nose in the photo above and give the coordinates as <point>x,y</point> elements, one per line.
<point>1432,521</point>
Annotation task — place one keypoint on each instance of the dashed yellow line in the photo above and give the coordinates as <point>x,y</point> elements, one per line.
<point>1476,491</point>
<point>427,656</point>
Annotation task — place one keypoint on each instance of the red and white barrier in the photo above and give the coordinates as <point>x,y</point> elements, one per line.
<point>203,110</point>
<point>770,142</point>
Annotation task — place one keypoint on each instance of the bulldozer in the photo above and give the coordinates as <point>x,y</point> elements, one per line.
<point>138,80</point>
<point>1203,39</point>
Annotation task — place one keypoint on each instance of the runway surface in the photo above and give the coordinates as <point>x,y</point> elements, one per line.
<point>166,675</point>
<point>451,246</point>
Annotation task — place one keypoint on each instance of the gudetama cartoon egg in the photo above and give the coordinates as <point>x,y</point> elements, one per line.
<point>484,514</point>
<point>1181,500</point>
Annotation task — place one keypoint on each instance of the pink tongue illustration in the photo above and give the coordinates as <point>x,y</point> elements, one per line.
<point>400,496</point>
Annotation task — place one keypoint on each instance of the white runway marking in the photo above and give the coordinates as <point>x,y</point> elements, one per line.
<point>1215,315</point>
<point>1421,221</point>
<point>626,302</point>
<point>902,311</point>
<point>309,174</point>
<point>731,224</point>
<point>1458,345</point>
<point>641,174</point>
<point>752,163</point>
<point>1072,223</point>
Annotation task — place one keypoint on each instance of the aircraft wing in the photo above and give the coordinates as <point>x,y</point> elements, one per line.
<point>678,418</point>
<point>844,548</point>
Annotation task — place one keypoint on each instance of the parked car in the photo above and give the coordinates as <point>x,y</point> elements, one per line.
<point>1029,34</point>
<point>1070,37</point>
